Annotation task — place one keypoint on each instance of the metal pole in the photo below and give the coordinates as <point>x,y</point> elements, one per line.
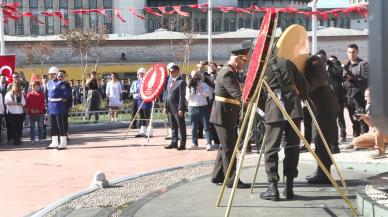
<point>150,125</point>
<point>2,44</point>
<point>262,149</point>
<point>133,120</point>
<point>210,31</point>
<point>314,28</point>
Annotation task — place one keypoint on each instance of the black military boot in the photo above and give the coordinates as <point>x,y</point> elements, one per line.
<point>318,177</point>
<point>289,188</point>
<point>272,192</point>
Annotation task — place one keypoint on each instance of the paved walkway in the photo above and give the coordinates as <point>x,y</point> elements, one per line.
<point>33,177</point>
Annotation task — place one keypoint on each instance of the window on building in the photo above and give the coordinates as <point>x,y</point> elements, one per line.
<point>333,22</point>
<point>78,18</point>
<point>196,25</point>
<point>63,7</point>
<point>108,22</point>
<point>347,23</point>
<point>151,26</point>
<point>261,22</point>
<point>226,25</point>
<point>217,25</point>
<point>19,24</point>
<point>248,22</point>
<point>34,26</point>
<point>255,23</point>
<point>240,23</point>
<point>203,25</point>
<point>93,17</point>
<point>48,6</point>
<point>233,24</point>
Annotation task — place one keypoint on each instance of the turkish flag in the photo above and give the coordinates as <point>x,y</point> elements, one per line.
<point>7,66</point>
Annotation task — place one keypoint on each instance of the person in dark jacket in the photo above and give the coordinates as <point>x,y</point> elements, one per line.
<point>94,97</point>
<point>326,112</point>
<point>291,88</point>
<point>225,116</point>
<point>356,81</point>
<point>175,106</point>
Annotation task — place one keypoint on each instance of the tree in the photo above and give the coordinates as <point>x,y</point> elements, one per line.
<point>100,39</point>
<point>81,42</point>
<point>29,53</point>
<point>42,51</point>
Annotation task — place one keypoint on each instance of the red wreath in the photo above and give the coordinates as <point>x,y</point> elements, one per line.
<point>153,83</point>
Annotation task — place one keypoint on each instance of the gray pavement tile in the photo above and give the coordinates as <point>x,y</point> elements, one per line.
<point>198,198</point>
<point>92,212</point>
<point>65,211</point>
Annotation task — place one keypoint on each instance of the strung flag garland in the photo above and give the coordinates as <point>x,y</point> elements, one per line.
<point>10,11</point>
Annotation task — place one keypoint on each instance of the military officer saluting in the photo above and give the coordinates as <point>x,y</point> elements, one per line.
<point>290,86</point>
<point>57,96</point>
<point>225,115</point>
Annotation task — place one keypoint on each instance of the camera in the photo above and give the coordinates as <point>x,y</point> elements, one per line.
<point>18,99</point>
<point>205,63</point>
<point>358,113</point>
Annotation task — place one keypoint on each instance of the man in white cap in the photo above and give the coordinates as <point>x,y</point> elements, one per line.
<point>57,95</point>
<point>143,107</point>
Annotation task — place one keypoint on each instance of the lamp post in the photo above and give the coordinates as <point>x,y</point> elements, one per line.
<point>314,28</point>
<point>210,31</point>
<point>2,44</point>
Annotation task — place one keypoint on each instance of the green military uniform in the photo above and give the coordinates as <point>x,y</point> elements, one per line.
<point>224,116</point>
<point>295,88</point>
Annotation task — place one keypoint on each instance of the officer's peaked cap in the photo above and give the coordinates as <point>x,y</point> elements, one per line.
<point>241,52</point>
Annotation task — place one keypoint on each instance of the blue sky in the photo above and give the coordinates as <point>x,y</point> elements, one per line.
<point>332,3</point>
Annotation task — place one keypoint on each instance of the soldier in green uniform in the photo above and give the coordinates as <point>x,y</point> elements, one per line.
<point>225,115</point>
<point>291,87</point>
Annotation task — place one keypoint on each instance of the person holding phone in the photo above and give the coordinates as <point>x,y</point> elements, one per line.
<point>15,101</point>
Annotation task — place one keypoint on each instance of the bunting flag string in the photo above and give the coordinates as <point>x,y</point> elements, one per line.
<point>11,11</point>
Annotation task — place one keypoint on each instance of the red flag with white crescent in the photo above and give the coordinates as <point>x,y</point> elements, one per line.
<point>7,66</point>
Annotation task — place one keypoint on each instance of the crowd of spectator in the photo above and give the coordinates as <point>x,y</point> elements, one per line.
<point>192,93</point>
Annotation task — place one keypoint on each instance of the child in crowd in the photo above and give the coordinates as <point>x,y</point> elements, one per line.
<point>35,107</point>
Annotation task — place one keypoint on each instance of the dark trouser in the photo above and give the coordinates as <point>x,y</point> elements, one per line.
<point>145,115</point>
<point>228,138</point>
<point>66,122</point>
<point>176,123</point>
<point>307,123</point>
<point>133,113</point>
<point>15,126</point>
<point>328,125</point>
<point>90,113</point>
<point>273,137</point>
<point>57,125</point>
<point>354,104</point>
<point>341,119</point>
<point>214,134</point>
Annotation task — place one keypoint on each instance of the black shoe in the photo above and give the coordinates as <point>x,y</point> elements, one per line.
<point>303,149</point>
<point>318,177</point>
<point>272,192</point>
<point>182,147</point>
<point>240,185</point>
<point>217,181</point>
<point>335,150</point>
<point>289,188</point>
<point>171,146</point>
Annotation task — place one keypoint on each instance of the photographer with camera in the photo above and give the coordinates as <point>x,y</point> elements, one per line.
<point>355,78</point>
<point>196,95</point>
<point>372,139</point>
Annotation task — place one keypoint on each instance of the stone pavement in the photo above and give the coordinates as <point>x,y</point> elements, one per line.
<point>33,177</point>
<point>198,197</point>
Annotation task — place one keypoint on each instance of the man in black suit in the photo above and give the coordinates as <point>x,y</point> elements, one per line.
<point>175,105</point>
<point>225,115</point>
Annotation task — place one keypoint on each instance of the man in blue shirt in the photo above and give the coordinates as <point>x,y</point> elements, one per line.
<point>57,96</point>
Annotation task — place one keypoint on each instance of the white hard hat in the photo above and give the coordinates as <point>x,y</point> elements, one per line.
<point>53,70</point>
<point>170,65</point>
<point>141,70</point>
